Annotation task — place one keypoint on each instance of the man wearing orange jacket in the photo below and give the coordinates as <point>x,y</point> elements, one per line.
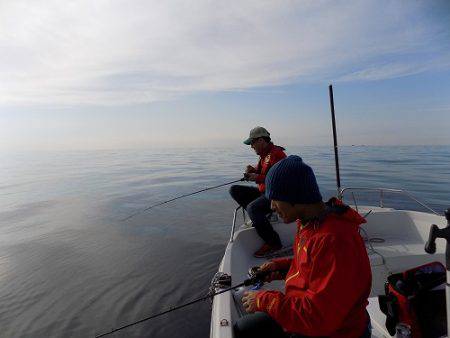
<point>252,199</point>
<point>329,277</point>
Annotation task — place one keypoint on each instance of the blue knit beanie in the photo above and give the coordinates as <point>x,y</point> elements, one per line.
<point>291,180</point>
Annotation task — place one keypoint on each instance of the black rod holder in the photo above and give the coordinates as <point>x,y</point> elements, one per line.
<point>336,156</point>
<point>435,232</point>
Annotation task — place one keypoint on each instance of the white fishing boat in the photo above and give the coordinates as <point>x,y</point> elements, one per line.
<point>394,239</point>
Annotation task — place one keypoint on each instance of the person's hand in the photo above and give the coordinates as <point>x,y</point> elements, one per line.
<point>250,169</point>
<point>273,273</point>
<point>249,301</point>
<point>251,177</point>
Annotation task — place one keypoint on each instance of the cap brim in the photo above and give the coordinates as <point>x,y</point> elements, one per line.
<point>248,141</point>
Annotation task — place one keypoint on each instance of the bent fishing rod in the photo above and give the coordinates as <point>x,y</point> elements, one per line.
<point>258,277</point>
<point>185,195</point>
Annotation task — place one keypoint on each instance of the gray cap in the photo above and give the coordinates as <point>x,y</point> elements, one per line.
<point>255,133</point>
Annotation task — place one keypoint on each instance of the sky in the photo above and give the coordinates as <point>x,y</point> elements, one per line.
<point>119,74</point>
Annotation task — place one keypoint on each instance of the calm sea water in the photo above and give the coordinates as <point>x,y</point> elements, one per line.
<point>70,268</point>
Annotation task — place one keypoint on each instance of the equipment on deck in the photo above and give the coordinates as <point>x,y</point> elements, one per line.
<point>415,302</point>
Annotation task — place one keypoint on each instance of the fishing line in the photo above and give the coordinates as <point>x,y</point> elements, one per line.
<point>257,278</point>
<point>175,198</point>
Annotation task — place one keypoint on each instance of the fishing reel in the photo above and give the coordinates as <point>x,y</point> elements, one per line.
<point>221,280</point>
<point>256,276</point>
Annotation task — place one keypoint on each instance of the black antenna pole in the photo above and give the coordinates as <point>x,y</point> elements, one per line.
<point>336,156</point>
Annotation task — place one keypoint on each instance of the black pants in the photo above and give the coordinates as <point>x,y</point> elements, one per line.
<point>257,206</point>
<point>261,325</point>
<point>258,325</point>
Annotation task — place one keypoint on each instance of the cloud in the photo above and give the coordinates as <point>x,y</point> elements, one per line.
<point>109,53</point>
<point>379,72</point>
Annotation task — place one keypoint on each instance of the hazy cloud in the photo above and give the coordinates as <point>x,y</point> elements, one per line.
<point>119,52</point>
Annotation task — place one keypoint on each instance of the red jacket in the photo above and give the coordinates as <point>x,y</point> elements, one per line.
<point>266,161</point>
<point>328,282</point>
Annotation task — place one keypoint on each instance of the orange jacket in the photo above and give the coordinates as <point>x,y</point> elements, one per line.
<point>328,282</point>
<point>273,155</point>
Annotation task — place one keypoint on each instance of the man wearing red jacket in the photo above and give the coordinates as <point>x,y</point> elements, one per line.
<point>252,199</point>
<point>329,277</point>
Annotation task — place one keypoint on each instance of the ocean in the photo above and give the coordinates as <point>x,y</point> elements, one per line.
<point>69,267</point>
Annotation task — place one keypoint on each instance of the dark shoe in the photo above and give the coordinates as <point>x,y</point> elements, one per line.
<point>266,250</point>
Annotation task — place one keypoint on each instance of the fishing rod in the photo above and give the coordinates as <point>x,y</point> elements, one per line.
<point>257,277</point>
<point>185,195</point>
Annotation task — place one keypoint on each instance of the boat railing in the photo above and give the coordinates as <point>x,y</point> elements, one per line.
<point>382,192</point>
<point>352,190</point>
<point>233,226</point>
